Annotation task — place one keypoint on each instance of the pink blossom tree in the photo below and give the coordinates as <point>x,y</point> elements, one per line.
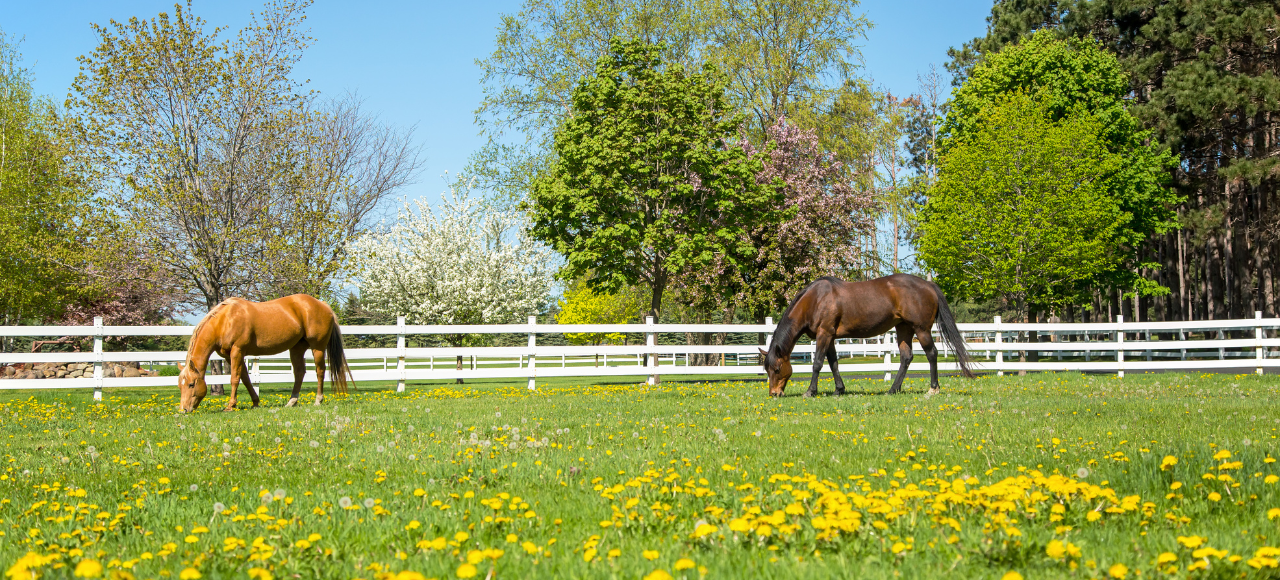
<point>821,220</point>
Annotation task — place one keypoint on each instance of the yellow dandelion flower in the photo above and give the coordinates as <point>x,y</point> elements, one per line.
<point>650,554</point>
<point>1056,550</point>
<point>466,571</point>
<point>86,569</point>
<point>658,575</point>
<point>684,564</point>
<point>189,574</point>
<point>1118,571</point>
<point>260,574</point>
<point>1011,575</point>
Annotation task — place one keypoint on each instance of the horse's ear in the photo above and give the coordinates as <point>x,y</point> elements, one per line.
<point>763,353</point>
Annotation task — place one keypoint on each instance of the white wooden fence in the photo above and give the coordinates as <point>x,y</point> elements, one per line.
<point>1099,347</point>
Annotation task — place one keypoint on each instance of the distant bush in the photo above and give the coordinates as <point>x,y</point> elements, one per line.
<point>168,371</point>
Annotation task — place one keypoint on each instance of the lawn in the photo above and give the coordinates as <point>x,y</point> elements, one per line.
<point>1048,475</point>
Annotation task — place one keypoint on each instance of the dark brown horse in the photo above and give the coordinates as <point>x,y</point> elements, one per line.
<point>237,328</point>
<point>831,308</point>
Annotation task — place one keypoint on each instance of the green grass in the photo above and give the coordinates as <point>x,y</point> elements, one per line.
<point>959,485</point>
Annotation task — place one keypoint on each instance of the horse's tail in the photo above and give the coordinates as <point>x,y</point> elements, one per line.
<point>338,369</point>
<point>951,335</point>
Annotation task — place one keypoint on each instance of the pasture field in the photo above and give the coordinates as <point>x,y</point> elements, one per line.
<point>1043,476</point>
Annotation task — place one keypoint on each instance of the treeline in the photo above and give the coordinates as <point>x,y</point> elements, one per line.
<point>1202,76</point>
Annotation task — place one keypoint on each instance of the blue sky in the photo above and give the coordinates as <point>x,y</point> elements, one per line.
<point>414,62</point>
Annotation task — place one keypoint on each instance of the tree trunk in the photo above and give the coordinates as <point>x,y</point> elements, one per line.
<point>459,367</point>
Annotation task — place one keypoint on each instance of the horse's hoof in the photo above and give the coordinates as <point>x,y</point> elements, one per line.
<point>839,393</point>
<point>810,395</point>
<point>318,399</point>
<point>292,403</point>
<point>934,391</point>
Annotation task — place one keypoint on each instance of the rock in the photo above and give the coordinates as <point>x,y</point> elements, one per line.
<point>9,372</point>
<point>130,365</point>
<point>31,375</point>
<point>76,367</point>
<point>61,374</point>
<point>131,372</point>
<point>109,373</point>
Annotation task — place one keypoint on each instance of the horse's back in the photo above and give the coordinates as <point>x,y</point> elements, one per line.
<point>277,325</point>
<point>872,307</point>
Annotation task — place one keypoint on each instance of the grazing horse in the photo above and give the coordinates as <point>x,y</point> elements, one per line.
<point>237,328</point>
<point>831,308</point>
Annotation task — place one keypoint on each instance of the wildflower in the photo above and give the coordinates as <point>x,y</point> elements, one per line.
<point>684,564</point>
<point>650,554</point>
<point>189,574</point>
<point>1011,575</point>
<point>658,575</point>
<point>1082,473</point>
<point>1118,571</point>
<point>86,569</point>
<point>467,570</point>
<point>1055,550</point>
<point>344,502</point>
<point>315,444</point>
<point>589,554</point>
<point>278,494</point>
<point>1166,558</point>
<point>1191,541</point>
<point>218,507</point>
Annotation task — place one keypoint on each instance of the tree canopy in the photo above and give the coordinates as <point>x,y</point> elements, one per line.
<point>1022,209</point>
<point>648,183</point>
<point>1074,78</point>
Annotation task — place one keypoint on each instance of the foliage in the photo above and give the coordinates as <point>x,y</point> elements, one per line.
<point>457,263</point>
<point>648,185</point>
<point>791,58</point>
<point>786,58</point>
<point>437,486</point>
<point>1022,208</point>
<point>581,305</point>
<point>235,178</point>
<point>1077,78</point>
<point>43,201</point>
<point>1203,75</point>
<point>823,220</point>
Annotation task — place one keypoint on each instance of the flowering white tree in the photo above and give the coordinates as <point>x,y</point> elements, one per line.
<point>458,263</point>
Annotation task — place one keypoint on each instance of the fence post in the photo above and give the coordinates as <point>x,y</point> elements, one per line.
<point>97,358</point>
<point>400,369</point>
<point>533,358</point>
<point>999,349</point>
<point>255,374</point>
<point>888,357</point>
<point>1257,335</point>
<point>651,340</point>
<point>1120,346</point>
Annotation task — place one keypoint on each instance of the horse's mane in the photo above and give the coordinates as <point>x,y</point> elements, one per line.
<point>786,331</point>
<point>200,325</point>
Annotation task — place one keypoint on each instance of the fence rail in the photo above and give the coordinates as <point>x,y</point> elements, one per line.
<point>1103,346</point>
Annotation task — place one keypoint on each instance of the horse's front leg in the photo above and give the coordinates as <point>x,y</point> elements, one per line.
<point>822,343</point>
<point>237,364</point>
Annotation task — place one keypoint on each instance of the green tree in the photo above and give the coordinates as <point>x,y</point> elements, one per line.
<point>797,58</point>
<point>1204,76</point>
<point>232,176</point>
<point>43,199</point>
<point>1078,78</point>
<point>648,183</point>
<point>1023,208</point>
<point>581,305</point>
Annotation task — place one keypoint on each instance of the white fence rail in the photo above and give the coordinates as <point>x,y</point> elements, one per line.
<point>1099,347</point>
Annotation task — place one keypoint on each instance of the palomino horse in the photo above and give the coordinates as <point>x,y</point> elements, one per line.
<point>831,308</point>
<point>237,328</point>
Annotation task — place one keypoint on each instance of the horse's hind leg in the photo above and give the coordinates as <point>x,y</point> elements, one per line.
<point>318,355</point>
<point>905,330</point>
<point>297,357</point>
<point>822,344</point>
<point>834,359</point>
<point>930,352</point>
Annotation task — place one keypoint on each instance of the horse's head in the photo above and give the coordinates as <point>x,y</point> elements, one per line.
<point>191,388</point>
<point>779,370</point>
